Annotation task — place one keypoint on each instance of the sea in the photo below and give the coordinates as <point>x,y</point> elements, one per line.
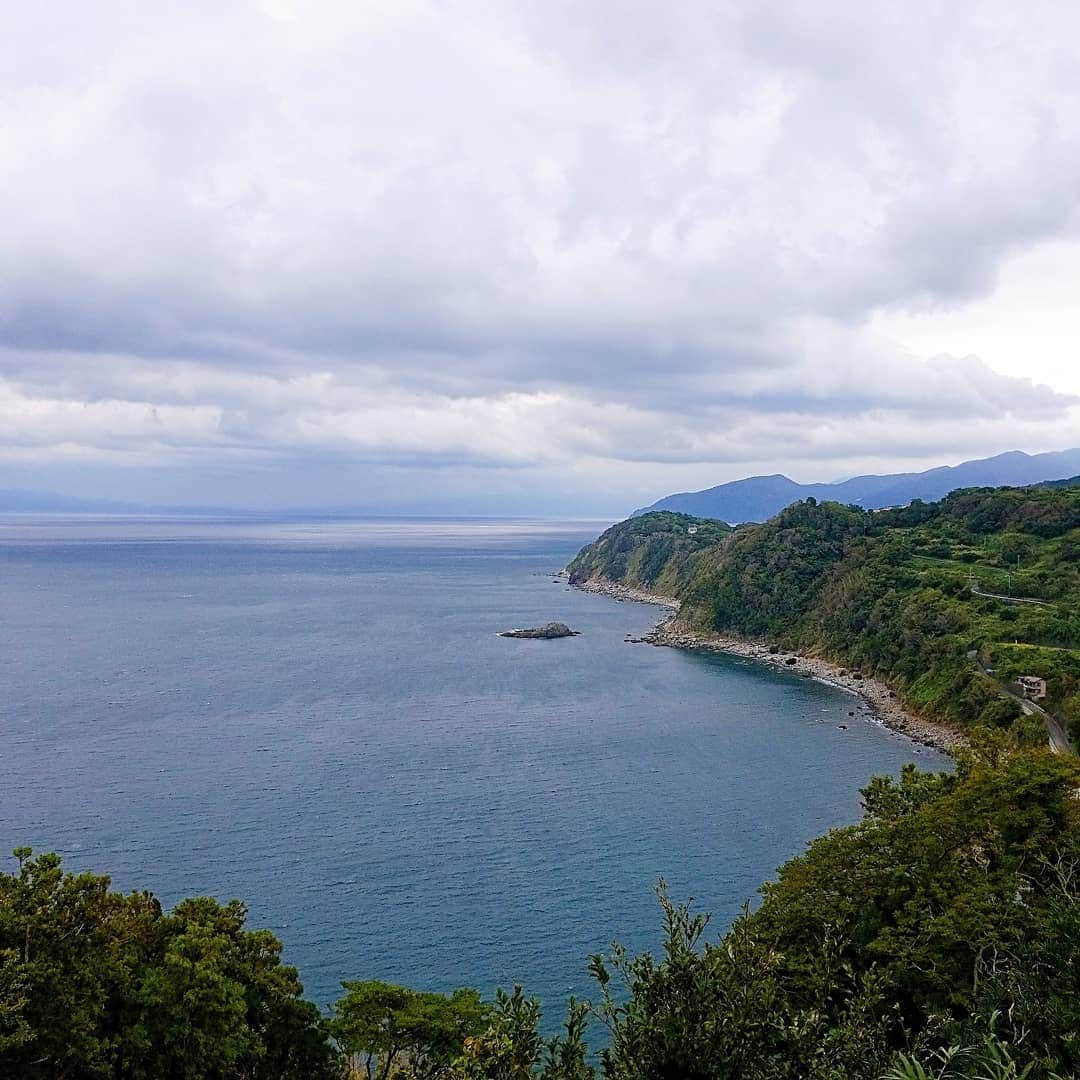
<point>319,717</point>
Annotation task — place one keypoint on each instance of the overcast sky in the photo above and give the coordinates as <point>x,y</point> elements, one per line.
<point>530,256</point>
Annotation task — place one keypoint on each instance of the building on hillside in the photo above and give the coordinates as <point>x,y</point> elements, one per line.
<point>1032,686</point>
<point>692,530</point>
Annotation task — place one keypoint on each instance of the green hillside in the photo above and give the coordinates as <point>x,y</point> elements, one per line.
<point>656,552</point>
<point>896,593</point>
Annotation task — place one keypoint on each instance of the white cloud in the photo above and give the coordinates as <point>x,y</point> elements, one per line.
<point>607,240</point>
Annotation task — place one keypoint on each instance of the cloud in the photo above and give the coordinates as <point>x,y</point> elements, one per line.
<point>517,236</point>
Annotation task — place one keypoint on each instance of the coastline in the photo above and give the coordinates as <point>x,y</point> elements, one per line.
<point>875,694</point>
<point>624,592</point>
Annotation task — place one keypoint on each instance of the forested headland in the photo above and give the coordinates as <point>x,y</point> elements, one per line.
<point>948,602</point>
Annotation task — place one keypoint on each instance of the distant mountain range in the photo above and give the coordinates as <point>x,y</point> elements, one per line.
<point>24,501</point>
<point>49,502</point>
<point>758,498</point>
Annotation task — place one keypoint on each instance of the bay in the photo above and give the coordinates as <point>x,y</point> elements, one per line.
<point>319,717</point>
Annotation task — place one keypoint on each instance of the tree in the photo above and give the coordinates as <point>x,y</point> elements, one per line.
<point>380,1025</point>
<point>95,983</point>
<point>510,1047</point>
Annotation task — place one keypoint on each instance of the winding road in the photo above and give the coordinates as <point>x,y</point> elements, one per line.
<point>1059,741</point>
<point>1010,599</point>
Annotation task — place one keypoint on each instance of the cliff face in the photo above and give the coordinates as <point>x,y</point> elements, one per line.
<point>911,595</point>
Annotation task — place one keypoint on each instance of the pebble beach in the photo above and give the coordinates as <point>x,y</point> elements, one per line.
<point>877,695</point>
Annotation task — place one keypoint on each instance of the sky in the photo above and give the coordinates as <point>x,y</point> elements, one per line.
<point>530,257</point>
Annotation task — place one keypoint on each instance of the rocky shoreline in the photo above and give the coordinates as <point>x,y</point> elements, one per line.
<point>879,699</point>
<point>624,592</point>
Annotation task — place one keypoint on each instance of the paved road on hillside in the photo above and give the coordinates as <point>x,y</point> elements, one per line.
<point>1059,741</point>
<point>1010,599</point>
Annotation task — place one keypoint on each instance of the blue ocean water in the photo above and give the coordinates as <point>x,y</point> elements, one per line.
<point>319,718</point>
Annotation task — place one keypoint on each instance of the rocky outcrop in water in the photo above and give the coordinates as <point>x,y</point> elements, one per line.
<point>551,630</point>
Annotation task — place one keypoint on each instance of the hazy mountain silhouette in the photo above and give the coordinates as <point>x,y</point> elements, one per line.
<point>757,498</point>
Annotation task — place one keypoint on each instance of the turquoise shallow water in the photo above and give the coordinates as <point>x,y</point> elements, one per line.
<point>320,718</point>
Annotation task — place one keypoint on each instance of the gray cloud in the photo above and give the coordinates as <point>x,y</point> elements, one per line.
<point>518,236</point>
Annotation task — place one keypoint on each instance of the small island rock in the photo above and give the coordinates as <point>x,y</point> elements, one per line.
<point>551,630</point>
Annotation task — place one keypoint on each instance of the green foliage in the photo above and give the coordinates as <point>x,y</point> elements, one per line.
<point>1059,666</point>
<point>990,1060</point>
<point>379,1026</point>
<point>510,1047</point>
<point>655,552</point>
<point>94,983</point>
<point>717,1012</point>
<point>764,588</point>
<point>890,592</point>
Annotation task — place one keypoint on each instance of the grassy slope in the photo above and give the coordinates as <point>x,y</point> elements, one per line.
<point>887,591</point>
